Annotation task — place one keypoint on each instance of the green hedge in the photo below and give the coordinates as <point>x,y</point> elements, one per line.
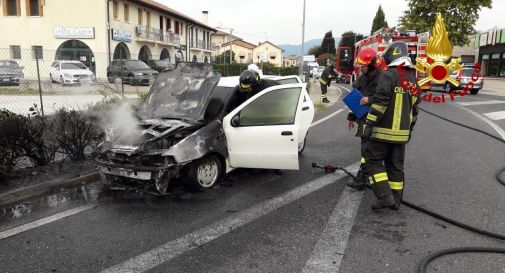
<point>268,69</point>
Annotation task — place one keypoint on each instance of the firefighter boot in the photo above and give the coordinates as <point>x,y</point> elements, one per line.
<point>397,195</point>
<point>384,202</point>
<point>359,182</point>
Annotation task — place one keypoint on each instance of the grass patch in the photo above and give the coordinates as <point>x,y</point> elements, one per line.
<point>319,106</point>
<point>15,90</point>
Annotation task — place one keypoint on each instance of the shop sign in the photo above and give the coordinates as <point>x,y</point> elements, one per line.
<point>74,32</point>
<point>122,36</point>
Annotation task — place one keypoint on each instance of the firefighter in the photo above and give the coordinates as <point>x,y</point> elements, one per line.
<point>329,73</point>
<point>367,83</point>
<point>251,84</point>
<point>389,125</point>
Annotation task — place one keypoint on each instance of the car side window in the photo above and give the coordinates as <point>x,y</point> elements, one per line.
<point>273,108</point>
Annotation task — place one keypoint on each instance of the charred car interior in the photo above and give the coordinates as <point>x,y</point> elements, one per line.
<point>179,131</point>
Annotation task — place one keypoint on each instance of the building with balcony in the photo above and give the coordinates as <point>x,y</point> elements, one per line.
<point>99,31</point>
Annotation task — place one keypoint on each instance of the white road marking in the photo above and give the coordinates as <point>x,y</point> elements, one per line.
<point>173,249</point>
<point>326,118</point>
<point>486,102</point>
<point>330,248</point>
<point>495,115</point>
<point>497,128</point>
<point>47,220</point>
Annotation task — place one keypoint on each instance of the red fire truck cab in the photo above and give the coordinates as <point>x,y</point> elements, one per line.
<point>380,40</point>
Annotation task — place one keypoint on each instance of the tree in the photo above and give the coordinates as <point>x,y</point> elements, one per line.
<point>324,58</point>
<point>459,16</point>
<point>349,38</point>
<point>328,44</point>
<point>315,50</point>
<point>379,21</point>
<point>224,58</point>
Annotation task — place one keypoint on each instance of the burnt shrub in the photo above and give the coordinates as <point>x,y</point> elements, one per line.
<point>24,136</point>
<point>9,150</point>
<point>74,131</point>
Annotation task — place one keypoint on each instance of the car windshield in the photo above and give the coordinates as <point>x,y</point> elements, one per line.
<point>72,66</point>
<point>181,93</point>
<point>136,65</point>
<point>8,64</point>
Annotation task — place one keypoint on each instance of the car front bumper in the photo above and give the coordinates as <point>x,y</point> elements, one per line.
<point>8,80</point>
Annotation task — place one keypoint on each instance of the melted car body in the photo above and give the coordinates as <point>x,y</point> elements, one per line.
<point>179,131</point>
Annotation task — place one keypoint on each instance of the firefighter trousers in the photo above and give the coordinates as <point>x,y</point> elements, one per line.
<point>384,165</point>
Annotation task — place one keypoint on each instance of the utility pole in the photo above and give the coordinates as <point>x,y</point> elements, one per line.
<point>231,45</point>
<point>303,41</point>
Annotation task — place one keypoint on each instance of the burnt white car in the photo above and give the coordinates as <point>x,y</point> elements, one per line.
<point>190,127</point>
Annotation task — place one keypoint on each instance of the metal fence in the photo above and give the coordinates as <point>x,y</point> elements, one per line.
<point>28,77</point>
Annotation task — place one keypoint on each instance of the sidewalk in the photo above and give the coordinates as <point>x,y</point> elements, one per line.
<point>315,94</point>
<point>494,85</point>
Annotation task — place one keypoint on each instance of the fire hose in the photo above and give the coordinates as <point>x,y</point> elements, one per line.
<point>329,168</point>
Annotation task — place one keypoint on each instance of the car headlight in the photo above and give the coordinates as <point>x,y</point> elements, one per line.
<point>138,73</point>
<point>67,75</point>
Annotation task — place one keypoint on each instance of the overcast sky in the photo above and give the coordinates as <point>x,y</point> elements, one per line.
<point>280,21</point>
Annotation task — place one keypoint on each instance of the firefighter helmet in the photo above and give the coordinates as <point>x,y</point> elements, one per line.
<point>368,57</point>
<point>248,79</point>
<point>395,51</point>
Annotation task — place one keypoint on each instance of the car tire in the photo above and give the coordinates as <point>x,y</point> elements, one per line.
<point>204,173</point>
<point>51,78</point>
<point>110,78</point>
<point>301,146</point>
<point>130,80</point>
<point>474,91</point>
<point>447,88</point>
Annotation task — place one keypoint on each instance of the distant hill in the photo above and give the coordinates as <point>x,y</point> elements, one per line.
<point>295,49</point>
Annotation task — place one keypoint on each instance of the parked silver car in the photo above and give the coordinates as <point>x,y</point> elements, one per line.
<point>464,76</point>
<point>10,72</point>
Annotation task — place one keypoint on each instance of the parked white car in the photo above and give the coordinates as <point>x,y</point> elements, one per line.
<point>70,72</point>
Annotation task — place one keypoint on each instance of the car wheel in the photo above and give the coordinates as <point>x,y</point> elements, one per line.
<point>474,91</point>
<point>204,173</point>
<point>51,78</point>
<point>130,80</point>
<point>447,88</point>
<point>110,78</point>
<point>301,146</point>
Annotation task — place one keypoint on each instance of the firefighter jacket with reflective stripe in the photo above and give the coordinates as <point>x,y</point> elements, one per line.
<point>394,110</point>
<point>328,74</point>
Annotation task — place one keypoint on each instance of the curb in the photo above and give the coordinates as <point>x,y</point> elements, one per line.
<point>26,193</point>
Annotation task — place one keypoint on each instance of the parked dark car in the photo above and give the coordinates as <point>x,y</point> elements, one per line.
<point>10,72</point>
<point>193,128</point>
<point>130,71</point>
<point>161,65</point>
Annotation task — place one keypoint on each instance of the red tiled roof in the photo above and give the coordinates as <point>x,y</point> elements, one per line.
<point>241,43</point>
<point>158,6</point>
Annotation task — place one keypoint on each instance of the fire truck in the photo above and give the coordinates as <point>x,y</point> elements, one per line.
<point>379,41</point>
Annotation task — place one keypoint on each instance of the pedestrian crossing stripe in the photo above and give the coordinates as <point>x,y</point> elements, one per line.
<point>495,115</point>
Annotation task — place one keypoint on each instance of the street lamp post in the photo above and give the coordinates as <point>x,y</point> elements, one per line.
<point>303,41</point>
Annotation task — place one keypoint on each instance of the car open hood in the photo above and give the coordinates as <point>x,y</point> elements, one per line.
<point>182,93</point>
<point>147,131</point>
